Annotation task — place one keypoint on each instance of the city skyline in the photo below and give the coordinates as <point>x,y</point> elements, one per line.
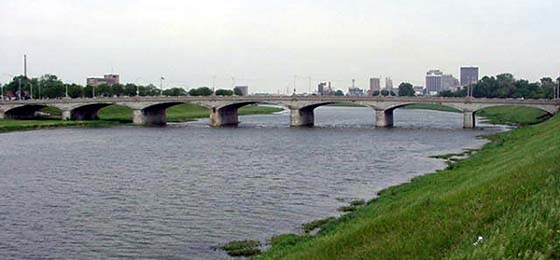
<point>265,44</point>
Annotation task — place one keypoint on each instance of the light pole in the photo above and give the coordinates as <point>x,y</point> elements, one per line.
<point>137,86</point>
<point>19,88</point>
<point>557,89</point>
<point>161,86</point>
<point>1,91</point>
<point>66,90</point>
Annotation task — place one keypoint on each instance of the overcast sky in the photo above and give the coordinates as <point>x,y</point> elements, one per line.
<point>263,43</point>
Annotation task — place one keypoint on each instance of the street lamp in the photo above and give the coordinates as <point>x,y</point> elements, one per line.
<point>557,89</point>
<point>137,86</point>
<point>66,89</point>
<point>161,86</point>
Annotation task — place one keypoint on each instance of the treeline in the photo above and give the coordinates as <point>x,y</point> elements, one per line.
<point>506,86</point>
<point>50,86</point>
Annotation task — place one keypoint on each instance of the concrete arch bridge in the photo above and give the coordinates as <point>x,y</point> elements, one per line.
<point>223,110</point>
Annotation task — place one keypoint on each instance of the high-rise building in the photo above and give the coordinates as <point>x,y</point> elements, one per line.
<point>109,79</point>
<point>374,85</point>
<point>321,88</point>
<point>448,82</point>
<point>388,84</point>
<point>434,83</point>
<point>469,75</point>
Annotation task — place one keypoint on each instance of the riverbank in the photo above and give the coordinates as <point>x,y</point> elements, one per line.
<point>501,203</point>
<point>114,115</point>
<point>499,115</point>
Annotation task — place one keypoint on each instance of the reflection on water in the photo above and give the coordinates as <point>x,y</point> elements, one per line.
<point>174,192</point>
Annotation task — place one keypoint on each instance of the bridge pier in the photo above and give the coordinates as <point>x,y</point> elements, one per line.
<point>302,117</point>
<point>469,120</point>
<point>225,116</point>
<point>383,118</point>
<point>66,115</point>
<point>80,115</point>
<point>148,116</point>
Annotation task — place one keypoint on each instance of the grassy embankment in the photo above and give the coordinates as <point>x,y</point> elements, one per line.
<point>504,115</point>
<point>507,193</point>
<point>113,115</point>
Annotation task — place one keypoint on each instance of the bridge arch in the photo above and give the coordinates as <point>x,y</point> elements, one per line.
<point>28,111</point>
<point>227,114</point>
<point>152,114</point>
<point>305,115</point>
<point>84,112</point>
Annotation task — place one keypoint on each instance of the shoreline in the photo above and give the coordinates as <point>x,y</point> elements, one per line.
<point>394,205</point>
<point>254,248</point>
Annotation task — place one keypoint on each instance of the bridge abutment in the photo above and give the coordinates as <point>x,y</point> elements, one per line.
<point>226,116</point>
<point>148,117</point>
<point>383,118</point>
<point>469,120</point>
<point>302,117</point>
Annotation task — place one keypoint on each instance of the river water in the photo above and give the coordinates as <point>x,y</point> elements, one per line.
<point>178,191</point>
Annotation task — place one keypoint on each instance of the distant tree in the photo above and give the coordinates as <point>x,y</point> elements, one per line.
<point>339,93</point>
<point>202,91</point>
<point>506,86</point>
<point>237,91</point>
<point>224,92</point>
<point>376,93</point>
<point>406,89</point>
<point>129,90</point>
<point>103,90</point>
<point>175,92</point>
<point>74,90</point>
<point>385,92</point>
<point>117,90</point>
<point>148,91</point>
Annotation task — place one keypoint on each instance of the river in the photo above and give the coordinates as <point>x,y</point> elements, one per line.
<point>178,191</point>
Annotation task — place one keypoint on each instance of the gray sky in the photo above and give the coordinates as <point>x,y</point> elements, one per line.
<point>265,43</point>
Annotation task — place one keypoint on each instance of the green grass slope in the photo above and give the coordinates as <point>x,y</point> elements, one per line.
<point>432,107</point>
<point>513,115</point>
<point>508,193</point>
